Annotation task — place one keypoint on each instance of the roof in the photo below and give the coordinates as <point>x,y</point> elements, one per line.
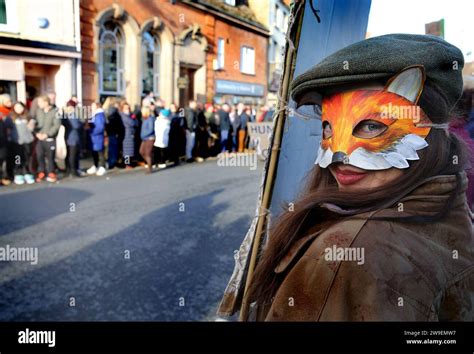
<point>242,13</point>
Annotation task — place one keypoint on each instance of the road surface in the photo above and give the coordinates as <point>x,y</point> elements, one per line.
<point>127,246</point>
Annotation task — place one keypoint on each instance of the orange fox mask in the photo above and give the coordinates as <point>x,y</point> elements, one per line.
<point>375,130</point>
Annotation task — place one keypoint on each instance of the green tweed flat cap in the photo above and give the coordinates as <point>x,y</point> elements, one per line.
<point>379,58</point>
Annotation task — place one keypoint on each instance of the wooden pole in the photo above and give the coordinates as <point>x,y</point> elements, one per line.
<point>290,60</point>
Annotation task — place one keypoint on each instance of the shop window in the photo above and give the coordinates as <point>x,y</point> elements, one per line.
<point>111,59</point>
<point>151,50</point>
<point>247,60</point>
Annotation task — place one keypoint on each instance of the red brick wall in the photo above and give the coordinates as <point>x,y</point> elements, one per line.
<point>177,18</point>
<point>238,37</point>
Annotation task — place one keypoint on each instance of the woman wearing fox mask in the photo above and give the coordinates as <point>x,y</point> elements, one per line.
<point>382,231</point>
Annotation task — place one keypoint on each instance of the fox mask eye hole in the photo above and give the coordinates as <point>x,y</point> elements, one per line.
<point>327,130</point>
<point>368,129</point>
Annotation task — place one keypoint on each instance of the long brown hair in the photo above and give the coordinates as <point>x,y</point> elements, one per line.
<point>15,115</point>
<point>436,159</point>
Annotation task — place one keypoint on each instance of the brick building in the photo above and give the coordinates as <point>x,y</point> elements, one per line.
<point>205,50</point>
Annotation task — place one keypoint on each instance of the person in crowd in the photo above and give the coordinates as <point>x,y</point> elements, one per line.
<point>212,120</point>
<point>225,127</point>
<point>74,128</point>
<point>162,130</point>
<point>202,137</point>
<point>147,134</point>
<point>191,113</point>
<point>148,100</point>
<point>177,135</point>
<point>5,109</point>
<point>6,104</point>
<point>128,144</point>
<point>97,131</point>
<point>137,141</point>
<point>115,131</point>
<point>52,99</point>
<point>235,121</point>
<point>3,153</point>
<point>244,117</point>
<point>158,105</point>
<point>47,128</point>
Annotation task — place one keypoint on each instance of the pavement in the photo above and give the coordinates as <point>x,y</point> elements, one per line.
<point>126,246</point>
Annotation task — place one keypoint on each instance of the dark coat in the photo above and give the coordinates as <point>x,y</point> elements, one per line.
<point>224,120</point>
<point>191,119</point>
<point>130,124</point>
<point>74,128</point>
<point>177,136</point>
<point>114,126</point>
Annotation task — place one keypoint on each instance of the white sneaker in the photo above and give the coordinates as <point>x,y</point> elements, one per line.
<point>92,170</point>
<point>101,171</point>
<point>161,165</point>
<point>19,179</point>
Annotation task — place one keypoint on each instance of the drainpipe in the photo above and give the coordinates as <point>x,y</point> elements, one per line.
<point>77,39</point>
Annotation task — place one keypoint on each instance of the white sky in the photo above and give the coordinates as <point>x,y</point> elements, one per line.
<point>410,16</point>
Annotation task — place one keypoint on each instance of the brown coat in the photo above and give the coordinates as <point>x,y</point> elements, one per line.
<point>411,272</point>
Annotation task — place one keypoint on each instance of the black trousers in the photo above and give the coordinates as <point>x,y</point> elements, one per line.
<point>99,159</point>
<point>73,158</point>
<point>2,161</point>
<point>161,155</point>
<point>22,158</point>
<point>11,157</point>
<point>45,152</point>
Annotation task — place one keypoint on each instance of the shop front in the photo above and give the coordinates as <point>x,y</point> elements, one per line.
<point>30,69</point>
<point>233,92</point>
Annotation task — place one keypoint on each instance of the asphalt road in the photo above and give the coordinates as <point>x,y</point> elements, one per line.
<point>127,246</point>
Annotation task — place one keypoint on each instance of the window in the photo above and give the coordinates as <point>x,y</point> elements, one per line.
<point>220,53</point>
<point>230,2</point>
<point>150,63</point>
<point>273,51</point>
<point>279,18</point>
<point>3,12</point>
<point>111,59</point>
<point>247,60</point>
<point>8,16</point>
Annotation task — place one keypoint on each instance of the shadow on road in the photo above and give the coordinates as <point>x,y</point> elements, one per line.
<point>172,265</point>
<point>34,206</point>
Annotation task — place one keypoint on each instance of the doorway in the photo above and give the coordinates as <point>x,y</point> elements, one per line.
<point>186,91</point>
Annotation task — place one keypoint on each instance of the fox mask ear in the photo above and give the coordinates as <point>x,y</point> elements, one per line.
<point>408,83</point>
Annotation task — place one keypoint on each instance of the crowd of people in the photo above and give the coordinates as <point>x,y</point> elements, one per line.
<point>39,139</point>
